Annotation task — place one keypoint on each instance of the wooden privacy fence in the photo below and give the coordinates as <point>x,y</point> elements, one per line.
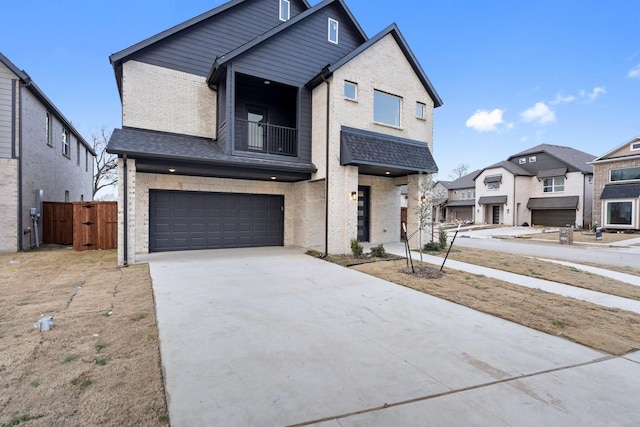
<point>88,225</point>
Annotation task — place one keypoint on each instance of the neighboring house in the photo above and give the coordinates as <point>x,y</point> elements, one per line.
<point>440,192</point>
<point>269,122</point>
<point>42,158</point>
<point>461,199</point>
<point>545,185</point>
<point>616,203</point>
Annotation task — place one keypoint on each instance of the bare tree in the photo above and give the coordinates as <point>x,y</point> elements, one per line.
<point>459,171</point>
<point>106,165</point>
<point>425,206</point>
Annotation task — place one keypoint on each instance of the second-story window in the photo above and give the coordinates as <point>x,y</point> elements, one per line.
<point>48,130</point>
<point>333,31</point>
<point>285,10</point>
<point>386,108</point>
<point>553,185</point>
<point>625,174</point>
<point>421,110</point>
<point>78,153</point>
<point>65,143</point>
<point>351,90</point>
<point>86,160</point>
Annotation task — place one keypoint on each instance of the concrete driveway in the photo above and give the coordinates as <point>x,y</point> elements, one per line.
<point>272,337</point>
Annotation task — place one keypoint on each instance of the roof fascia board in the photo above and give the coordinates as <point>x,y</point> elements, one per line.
<point>27,82</point>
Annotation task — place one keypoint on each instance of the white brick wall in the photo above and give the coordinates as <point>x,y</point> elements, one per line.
<point>8,205</point>
<point>166,100</point>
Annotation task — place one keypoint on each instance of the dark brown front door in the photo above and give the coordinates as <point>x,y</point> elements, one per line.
<point>363,213</point>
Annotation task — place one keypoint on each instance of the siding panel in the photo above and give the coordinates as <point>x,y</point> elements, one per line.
<point>6,110</point>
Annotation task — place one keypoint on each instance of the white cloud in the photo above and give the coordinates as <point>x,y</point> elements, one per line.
<point>486,121</point>
<point>539,113</point>
<point>596,92</point>
<point>563,99</point>
<point>634,73</point>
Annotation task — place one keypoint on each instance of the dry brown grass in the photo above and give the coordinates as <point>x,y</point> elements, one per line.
<point>91,368</point>
<point>613,331</point>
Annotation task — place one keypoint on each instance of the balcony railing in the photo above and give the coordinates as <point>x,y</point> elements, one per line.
<point>266,138</point>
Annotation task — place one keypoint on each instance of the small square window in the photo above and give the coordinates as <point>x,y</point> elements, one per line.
<point>285,10</point>
<point>532,159</point>
<point>351,90</point>
<point>421,110</point>
<point>522,161</point>
<point>635,146</point>
<point>333,31</point>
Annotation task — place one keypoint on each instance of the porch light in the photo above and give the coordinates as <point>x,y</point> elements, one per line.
<point>353,195</point>
<point>387,173</point>
<point>273,178</point>
<point>267,82</point>
<point>172,170</point>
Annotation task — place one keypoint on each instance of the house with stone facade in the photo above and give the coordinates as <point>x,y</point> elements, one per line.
<point>616,203</point>
<point>269,123</point>
<point>547,185</point>
<point>43,158</point>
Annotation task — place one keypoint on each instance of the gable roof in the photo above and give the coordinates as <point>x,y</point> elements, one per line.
<point>119,56</point>
<point>575,158</point>
<point>221,61</point>
<point>605,156</point>
<point>466,181</point>
<point>402,43</point>
<point>510,167</point>
<point>26,81</point>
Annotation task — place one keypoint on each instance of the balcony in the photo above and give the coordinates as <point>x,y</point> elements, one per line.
<point>266,138</point>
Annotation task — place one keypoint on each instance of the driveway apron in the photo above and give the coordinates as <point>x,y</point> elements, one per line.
<point>273,337</point>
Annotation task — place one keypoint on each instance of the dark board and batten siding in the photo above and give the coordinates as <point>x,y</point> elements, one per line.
<point>194,50</point>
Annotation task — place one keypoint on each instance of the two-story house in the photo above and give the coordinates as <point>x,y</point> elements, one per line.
<point>616,204</point>
<point>42,158</point>
<point>461,199</point>
<point>547,185</point>
<point>269,122</point>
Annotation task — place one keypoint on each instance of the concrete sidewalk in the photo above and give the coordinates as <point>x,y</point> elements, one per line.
<point>273,337</point>
<point>531,282</point>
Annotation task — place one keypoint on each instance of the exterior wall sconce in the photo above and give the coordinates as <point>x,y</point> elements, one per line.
<point>353,196</point>
<point>507,210</point>
<point>172,170</point>
<point>273,178</point>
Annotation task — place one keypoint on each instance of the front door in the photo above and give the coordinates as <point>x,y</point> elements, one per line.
<point>496,214</point>
<point>363,213</point>
<point>256,130</point>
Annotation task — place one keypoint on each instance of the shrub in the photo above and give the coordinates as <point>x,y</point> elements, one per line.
<point>356,248</point>
<point>378,251</point>
<point>432,247</point>
<point>442,238</point>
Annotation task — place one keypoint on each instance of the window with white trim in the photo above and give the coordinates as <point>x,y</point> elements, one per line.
<point>86,160</point>
<point>386,108</point>
<point>522,161</point>
<point>332,32</point>
<point>285,10</point>
<point>66,140</point>
<point>625,174</point>
<point>78,153</point>
<point>553,185</point>
<point>421,110</point>
<point>635,146</point>
<point>351,90</point>
<point>619,212</point>
<point>48,124</point>
<point>493,185</point>
<point>532,159</point>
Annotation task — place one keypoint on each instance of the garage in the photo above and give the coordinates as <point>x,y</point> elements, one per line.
<point>554,217</point>
<point>184,220</point>
<point>553,211</point>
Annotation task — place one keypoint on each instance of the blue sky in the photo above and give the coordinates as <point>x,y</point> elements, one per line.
<point>512,74</point>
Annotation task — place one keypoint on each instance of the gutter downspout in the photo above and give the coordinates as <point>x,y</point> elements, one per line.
<point>326,178</point>
<point>125,253</point>
<point>13,123</point>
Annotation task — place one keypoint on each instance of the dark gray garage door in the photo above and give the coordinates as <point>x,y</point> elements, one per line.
<point>181,220</point>
<point>553,217</point>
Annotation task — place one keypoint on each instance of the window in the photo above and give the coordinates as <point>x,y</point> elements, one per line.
<point>86,160</point>
<point>532,159</point>
<point>522,161</point>
<point>350,90</point>
<point>619,213</point>
<point>386,108</point>
<point>421,110</point>
<point>78,152</point>
<point>285,10</point>
<point>635,146</point>
<point>493,185</point>
<point>333,31</point>
<point>65,142</point>
<point>553,185</point>
<point>66,196</point>
<point>48,130</point>
<point>625,174</point>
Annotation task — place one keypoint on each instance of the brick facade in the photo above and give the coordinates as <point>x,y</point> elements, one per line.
<point>601,177</point>
<point>8,205</point>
